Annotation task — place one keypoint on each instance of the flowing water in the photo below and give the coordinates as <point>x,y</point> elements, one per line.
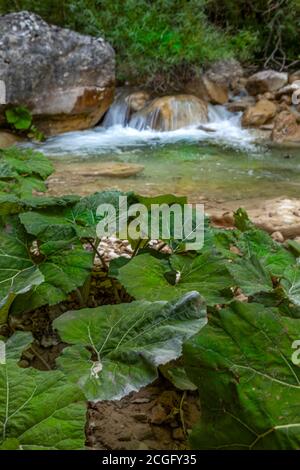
<point>218,161</point>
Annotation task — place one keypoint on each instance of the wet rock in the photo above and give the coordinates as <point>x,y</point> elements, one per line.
<point>267,80</point>
<point>7,139</point>
<point>171,112</point>
<point>66,79</point>
<point>114,170</point>
<point>240,105</point>
<point>137,100</point>
<point>286,129</point>
<point>259,114</point>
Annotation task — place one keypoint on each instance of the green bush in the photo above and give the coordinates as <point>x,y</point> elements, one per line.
<point>166,41</point>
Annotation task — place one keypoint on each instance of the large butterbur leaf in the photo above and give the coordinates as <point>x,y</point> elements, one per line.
<point>147,277</point>
<point>22,171</point>
<point>38,410</point>
<point>251,276</point>
<point>18,273</point>
<point>249,386</point>
<point>116,349</point>
<point>79,220</point>
<point>273,257</point>
<point>63,271</point>
<point>26,162</point>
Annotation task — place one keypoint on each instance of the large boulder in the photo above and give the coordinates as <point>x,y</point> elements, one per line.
<point>259,114</point>
<point>267,80</point>
<point>169,113</point>
<point>286,130</point>
<point>66,79</point>
<point>225,72</point>
<point>208,90</point>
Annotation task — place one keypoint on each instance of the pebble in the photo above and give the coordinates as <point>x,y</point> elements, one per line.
<point>277,237</point>
<point>158,414</point>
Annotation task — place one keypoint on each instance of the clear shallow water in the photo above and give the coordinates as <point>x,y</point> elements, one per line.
<point>222,162</point>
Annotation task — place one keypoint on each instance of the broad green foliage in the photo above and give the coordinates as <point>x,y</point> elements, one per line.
<point>166,41</point>
<point>18,273</point>
<point>22,171</point>
<point>19,118</point>
<point>63,271</point>
<point>116,349</point>
<point>38,410</point>
<point>146,277</point>
<point>248,384</point>
<point>241,362</point>
<point>78,220</point>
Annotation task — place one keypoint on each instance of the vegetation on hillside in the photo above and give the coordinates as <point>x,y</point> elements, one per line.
<point>167,40</point>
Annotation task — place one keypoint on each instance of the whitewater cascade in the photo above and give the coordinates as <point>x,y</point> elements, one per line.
<point>166,113</point>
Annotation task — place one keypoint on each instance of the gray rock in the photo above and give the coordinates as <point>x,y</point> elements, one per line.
<point>66,79</point>
<point>267,80</point>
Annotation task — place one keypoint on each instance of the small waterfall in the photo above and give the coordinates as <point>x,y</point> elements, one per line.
<point>170,113</point>
<point>119,112</point>
<point>219,113</point>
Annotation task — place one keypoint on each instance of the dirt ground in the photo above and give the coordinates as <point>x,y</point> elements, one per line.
<point>157,417</point>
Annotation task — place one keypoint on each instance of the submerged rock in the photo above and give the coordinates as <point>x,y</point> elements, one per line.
<point>240,105</point>
<point>66,79</point>
<point>259,114</point>
<point>170,113</point>
<point>114,169</point>
<point>267,80</point>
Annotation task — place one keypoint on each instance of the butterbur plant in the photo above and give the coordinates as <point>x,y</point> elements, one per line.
<point>175,305</point>
<point>20,120</point>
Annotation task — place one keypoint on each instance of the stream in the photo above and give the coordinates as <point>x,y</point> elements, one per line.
<point>219,162</point>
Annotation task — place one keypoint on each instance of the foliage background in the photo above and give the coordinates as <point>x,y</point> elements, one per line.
<point>170,39</point>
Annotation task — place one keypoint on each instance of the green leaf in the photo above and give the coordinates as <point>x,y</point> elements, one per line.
<point>117,348</point>
<point>9,204</point>
<point>294,247</point>
<point>18,273</point>
<point>146,277</point>
<point>49,225</point>
<point>178,377</point>
<point>38,410</point>
<point>27,162</point>
<point>241,220</point>
<point>63,271</point>
<point>291,284</point>
<point>272,256</point>
<point>19,117</point>
<point>249,387</point>
<point>76,220</point>
<point>251,276</point>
